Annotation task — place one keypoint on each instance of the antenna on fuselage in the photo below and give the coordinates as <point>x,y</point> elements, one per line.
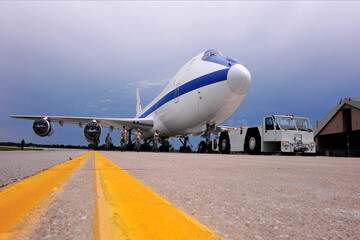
<point>138,103</point>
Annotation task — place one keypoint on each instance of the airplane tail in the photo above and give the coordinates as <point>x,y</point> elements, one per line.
<point>138,103</point>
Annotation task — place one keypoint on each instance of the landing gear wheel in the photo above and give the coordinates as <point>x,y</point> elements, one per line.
<point>209,148</point>
<point>165,146</point>
<point>202,147</point>
<point>188,149</point>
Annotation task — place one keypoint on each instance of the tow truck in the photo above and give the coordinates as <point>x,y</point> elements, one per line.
<point>278,134</point>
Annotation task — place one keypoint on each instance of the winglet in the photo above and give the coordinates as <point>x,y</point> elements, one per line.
<point>138,103</point>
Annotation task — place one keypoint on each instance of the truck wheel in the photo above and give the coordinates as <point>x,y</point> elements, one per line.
<point>253,144</point>
<point>224,143</point>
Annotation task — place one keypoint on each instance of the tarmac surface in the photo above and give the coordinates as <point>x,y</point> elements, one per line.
<point>236,196</point>
<point>16,165</point>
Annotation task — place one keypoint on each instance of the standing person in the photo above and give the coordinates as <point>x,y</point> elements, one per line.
<point>156,141</point>
<point>108,141</point>
<point>22,144</point>
<point>123,139</point>
<point>138,138</point>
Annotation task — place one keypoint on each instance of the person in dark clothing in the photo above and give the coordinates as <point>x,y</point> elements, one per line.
<point>108,142</point>
<point>22,144</point>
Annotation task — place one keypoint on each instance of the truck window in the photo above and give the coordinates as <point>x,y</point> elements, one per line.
<point>285,123</point>
<point>303,124</point>
<point>269,125</point>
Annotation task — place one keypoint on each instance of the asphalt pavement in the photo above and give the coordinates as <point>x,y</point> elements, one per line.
<point>236,196</point>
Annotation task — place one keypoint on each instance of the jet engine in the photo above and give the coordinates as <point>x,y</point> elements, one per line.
<point>92,132</point>
<point>42,127</point>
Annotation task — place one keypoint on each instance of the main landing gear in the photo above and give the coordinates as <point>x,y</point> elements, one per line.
<point>184,147</point>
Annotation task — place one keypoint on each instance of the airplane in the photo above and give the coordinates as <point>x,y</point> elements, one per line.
<point>203,94</point>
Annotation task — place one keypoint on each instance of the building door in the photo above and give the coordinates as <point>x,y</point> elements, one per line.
<point>347,120</point>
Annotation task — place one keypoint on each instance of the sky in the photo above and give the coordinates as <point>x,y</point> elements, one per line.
<point>86,58</point>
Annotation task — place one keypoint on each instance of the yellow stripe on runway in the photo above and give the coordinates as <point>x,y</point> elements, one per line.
<point>133,211</point>
<point>17,200</point>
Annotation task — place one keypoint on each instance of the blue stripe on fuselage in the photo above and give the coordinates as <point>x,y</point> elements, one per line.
<point>199,82</point>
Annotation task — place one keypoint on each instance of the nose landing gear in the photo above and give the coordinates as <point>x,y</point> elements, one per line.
<point>205,146</point>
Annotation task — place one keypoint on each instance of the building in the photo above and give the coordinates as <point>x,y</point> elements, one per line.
<point>338,133</point>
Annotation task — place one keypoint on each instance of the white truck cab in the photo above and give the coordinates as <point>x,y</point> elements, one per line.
<point>279,133</point>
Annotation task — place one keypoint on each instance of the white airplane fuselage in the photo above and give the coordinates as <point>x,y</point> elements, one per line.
<point>204,93</point>
<point>206,90</point>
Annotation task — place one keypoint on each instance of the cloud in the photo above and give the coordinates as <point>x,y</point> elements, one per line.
<point>73,53</point>
<point>89,108</point>
<point>106,101</point>
<point>149,84</point>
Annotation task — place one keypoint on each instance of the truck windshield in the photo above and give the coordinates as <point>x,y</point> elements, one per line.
<point>303,124</point>
<point>285,123</point>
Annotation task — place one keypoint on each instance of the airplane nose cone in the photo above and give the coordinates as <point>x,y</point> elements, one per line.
<point>238,79</point>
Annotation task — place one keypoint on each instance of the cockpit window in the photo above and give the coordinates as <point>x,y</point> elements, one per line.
<point>212,53</point>
<point>218,57</point>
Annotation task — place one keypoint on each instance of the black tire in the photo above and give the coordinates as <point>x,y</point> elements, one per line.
<point>165,146</point>
<point>186,149</point>
<point>253,144</point>
<point>202,147</point>
<point>224,143</point>
<point>209,148</point>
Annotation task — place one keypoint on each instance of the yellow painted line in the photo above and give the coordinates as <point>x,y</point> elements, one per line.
<point>137,213</point>
<point>102,227</point>
<point>17,200</point>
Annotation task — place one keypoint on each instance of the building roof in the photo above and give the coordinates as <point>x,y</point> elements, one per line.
<point>355,102</point>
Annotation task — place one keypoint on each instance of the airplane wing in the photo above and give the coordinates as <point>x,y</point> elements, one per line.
<point>117,123</point>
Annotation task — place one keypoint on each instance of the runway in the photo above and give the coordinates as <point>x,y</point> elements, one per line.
<point>114,195</point>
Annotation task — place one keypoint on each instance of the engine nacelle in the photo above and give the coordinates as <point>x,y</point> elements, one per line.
<point>92,132</point>
<point>42,127</point>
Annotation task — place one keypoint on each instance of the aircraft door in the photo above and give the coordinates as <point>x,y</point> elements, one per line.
<point>176,93</point>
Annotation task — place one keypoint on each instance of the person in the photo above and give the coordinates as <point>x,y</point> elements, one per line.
<point>108,141</point>
<point>156,141</point>
<point>22,144</point>
<point>137,140</point>
<point>123,139</point>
